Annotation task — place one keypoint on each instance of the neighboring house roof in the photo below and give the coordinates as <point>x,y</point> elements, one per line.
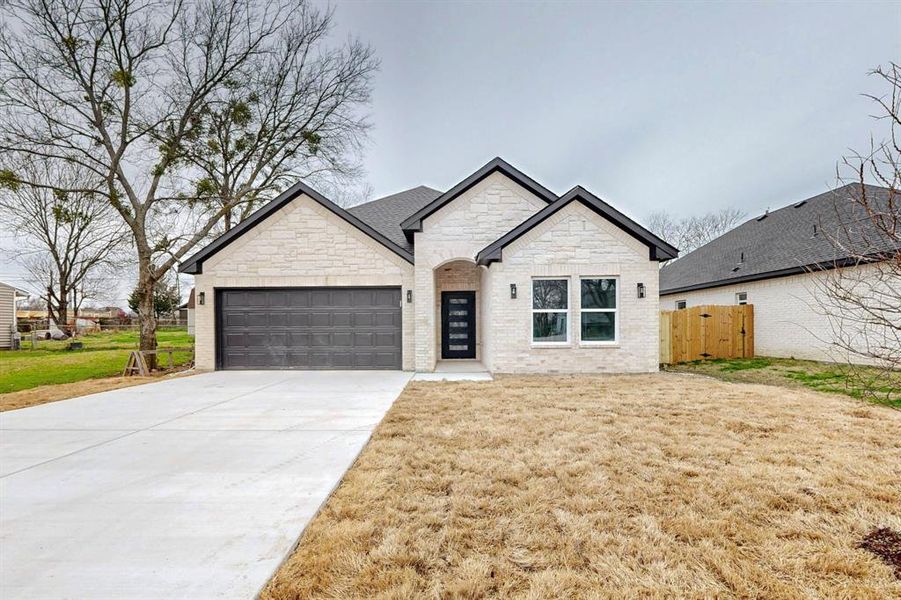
<point>658,249</point>
<point>385,214</point>
<point>414,222</point>
<point>190,302</point>
<point>194,264</point>
<point>18,293</point>
<point>783,242</point>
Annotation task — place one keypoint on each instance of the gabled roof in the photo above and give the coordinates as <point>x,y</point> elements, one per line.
<point>657,248</point>
<point>17,292</point>
<point>794,239</point>
<point>414,222</point>
<point>194,264</point>
<point>386,214</point>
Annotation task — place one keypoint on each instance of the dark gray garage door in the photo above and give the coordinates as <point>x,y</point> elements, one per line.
<point>309,328</point>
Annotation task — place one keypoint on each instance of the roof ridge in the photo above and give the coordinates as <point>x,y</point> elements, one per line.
<point>418,187</point>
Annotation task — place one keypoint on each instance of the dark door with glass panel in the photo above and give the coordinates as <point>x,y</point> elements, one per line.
<point>458,324</point>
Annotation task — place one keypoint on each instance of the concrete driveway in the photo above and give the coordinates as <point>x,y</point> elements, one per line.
<point>194,487</point>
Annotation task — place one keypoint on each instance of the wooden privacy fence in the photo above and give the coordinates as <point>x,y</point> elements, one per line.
<point>709,331</point>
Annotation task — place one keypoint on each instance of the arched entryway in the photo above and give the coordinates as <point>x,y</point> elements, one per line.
<point>457,303</point>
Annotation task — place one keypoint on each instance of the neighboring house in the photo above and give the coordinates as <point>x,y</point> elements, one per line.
<point>186,312</point>
<point>8,297</point>
<point>778,262</point>
<point>498,269</point>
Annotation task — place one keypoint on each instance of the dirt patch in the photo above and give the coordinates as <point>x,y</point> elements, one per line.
<point>608,487</point>
<point>886,544</point>
<point>64,391</point>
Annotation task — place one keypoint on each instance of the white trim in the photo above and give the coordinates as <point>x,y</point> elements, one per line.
<point>601,343</point>
<point>568,311</point>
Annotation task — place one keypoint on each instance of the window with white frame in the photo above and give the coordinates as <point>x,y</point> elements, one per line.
<point>598,310</point>
<point>680,304</point>
<point>741,298</point>
<point>550,311</point>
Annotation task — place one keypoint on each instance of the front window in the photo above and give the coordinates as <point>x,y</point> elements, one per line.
<point>550,311</point>
<point>598,310</point>
<point>680,304</point>
<point>741,298</point>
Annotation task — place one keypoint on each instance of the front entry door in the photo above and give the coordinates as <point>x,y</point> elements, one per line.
<point>458,324</point>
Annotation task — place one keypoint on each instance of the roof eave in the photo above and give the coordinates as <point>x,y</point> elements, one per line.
<point>657,249</point>
<point>413,223</point>
<point>774,274</point>
<point>193,265</point>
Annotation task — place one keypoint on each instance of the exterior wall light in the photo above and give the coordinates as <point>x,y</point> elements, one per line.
<point>201,298</point>
<point>641,291</point>
<point>409,296</point>
<point>513,291</point>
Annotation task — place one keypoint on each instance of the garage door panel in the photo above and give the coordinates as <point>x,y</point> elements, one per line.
<point>342,318</point>
<point>320,298</point>
<point>363,319</point>
<point>342,339</point>
<point>384,319</point>
<point>362,339</point>
<point>299,319</point>
<point>298,360</point>
<point>310,328</point>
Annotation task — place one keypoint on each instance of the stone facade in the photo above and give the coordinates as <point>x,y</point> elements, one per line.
<point>302,245</point>
<point>574,242</point>
<point>788,321</point>
<point>458,231</point>
<point>306,245</point>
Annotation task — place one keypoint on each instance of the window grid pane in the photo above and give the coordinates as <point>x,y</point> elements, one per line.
<point>549,327</point>
<point>550,294</point>
<point>598,293</point>
<point>599,326</point>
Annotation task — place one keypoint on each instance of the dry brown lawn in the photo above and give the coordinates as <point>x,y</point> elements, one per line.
<point>63,391</point>
<point>629,486</point>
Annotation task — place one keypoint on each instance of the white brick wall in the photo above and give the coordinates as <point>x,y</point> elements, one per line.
<point>301,245</point>
<point>572,243</point>
<point>458,231</point>
<point>788,321</point>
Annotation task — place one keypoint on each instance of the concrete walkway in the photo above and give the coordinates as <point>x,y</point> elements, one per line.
<point>194,487</point>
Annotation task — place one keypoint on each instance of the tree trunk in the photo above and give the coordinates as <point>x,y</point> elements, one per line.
<point>147,316</point>
<point>62,314</point>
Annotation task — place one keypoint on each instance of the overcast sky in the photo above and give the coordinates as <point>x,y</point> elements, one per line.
<point>681,107</point>
<point>651,106</point>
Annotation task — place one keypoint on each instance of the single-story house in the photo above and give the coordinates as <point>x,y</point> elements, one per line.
<point>8,296</point>
<point>778,262</point>
<point>498,269</point>
<point>186,313</point>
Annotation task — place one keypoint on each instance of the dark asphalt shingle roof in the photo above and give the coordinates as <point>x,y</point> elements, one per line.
<point>386,214</point>
<point>784,240</point>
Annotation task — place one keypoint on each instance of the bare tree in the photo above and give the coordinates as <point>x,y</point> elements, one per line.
<point>130,90</point>
<point>296,115</point>
<point>859,293</point>
<point>690,233</point>
<point>65,239</point>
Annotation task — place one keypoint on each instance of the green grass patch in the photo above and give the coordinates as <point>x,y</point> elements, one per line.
<point>858,382</point>
<point>103,355</point>
<point>743,364</point>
